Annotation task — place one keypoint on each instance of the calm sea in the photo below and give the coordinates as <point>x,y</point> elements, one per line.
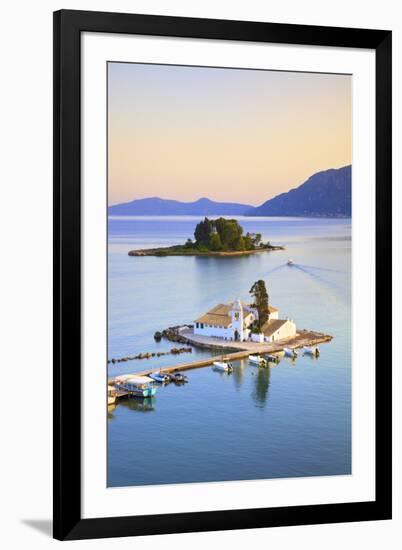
<point>290,420</point>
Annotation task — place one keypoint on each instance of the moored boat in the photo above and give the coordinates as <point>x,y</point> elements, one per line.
<point>111,395</point>
<point>290,352</point>
<point>222,367</point>
<point>159,377</point>
<point>178,378</point>
<point>272,358</point>
<point>135,386</point>
<point>257,360</point>
<point>313,351</point>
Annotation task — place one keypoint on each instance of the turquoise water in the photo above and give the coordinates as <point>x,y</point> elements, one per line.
<point>290,420</point>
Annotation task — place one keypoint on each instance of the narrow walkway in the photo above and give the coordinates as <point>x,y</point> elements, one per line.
<point>302,338</point>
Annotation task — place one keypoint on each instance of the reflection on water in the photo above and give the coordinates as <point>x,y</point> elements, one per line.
<point>292,419</point>
<point>238,373</point>
<point>138,404</point>
<point>110,410</point>
<point>260,393</point>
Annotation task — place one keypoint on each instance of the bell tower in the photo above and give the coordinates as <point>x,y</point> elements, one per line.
<point>236,314</point>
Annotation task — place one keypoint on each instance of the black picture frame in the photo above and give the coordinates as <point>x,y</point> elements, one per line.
<point>68,26</point>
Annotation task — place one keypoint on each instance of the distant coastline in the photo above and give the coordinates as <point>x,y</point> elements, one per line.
<point>326,194</point>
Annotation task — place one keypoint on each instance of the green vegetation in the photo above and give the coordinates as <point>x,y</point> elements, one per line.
<point>214,237</point>
<point>225,235</point>
<point>261,299</point>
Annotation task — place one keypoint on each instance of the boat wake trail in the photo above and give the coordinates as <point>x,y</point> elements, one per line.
<point>316,268</point>
<point>277,268</point>
<point>318,278</point>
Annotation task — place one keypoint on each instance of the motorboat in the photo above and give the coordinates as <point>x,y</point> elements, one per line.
<point>290,352</point>
<point>257,360</point>
<point>159,377</point>
<point>111,395</point>
<point>313,351</point>
<point>290,262</point>
<point>178,377</point>
<point>220,366</point>
<point>272,358</point>
<point>135,386</point>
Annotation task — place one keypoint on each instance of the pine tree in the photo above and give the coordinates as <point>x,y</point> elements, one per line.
<point>261,299</point>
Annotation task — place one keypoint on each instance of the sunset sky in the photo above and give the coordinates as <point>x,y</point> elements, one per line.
<point>227,134</point>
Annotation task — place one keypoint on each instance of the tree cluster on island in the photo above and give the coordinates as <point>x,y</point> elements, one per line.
<point>224,235</point>
<point>219,237</point>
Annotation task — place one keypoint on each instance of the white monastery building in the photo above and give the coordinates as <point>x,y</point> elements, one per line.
<point>234,321</point>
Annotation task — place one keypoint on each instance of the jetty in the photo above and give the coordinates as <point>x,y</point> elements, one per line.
<point>233,350</point>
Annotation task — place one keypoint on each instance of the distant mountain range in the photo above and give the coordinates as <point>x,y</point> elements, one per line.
<point>325,194</point>
<point>154,206</point>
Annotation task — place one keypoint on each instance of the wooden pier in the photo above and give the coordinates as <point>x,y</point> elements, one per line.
<point>303,338</point>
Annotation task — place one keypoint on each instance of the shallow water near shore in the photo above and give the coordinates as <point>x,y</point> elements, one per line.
<point>293,419</point>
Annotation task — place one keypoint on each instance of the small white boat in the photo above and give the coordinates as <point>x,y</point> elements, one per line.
<point>313,351</point>
<point>290,262</point>
<point>290,352</point>
<point>159,377</point>
<point>257,360</point>
<point>222,367</point>
<point>111,395</point>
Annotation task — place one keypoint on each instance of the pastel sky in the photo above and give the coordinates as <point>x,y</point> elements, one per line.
<point>227,134</point>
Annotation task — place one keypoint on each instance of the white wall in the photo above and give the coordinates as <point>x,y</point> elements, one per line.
<point>26,284</point>
<point>214,331</point>
<point>286,330</point>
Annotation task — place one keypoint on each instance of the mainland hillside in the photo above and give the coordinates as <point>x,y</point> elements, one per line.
<point>326,194</point>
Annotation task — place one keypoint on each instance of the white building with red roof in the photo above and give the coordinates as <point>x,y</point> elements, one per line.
<point>234,321</point>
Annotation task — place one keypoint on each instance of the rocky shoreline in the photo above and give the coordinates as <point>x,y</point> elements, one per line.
<point>149,355</point>
<point>173,334</point>
<point>173,251</point>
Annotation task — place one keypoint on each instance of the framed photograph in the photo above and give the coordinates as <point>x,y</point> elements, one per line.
<point>222,274</point>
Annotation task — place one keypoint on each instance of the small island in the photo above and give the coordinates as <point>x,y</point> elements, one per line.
<point>220,237</point>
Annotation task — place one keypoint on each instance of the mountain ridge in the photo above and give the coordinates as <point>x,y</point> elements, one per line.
<point>157,206</point>
<point>326,194</point>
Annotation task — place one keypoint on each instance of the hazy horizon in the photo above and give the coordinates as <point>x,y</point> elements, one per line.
<point>228,200</point>
<point>231,135</point>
